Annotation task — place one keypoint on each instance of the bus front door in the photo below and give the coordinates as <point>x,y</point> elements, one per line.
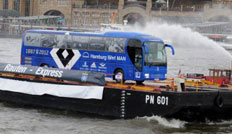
<point>134,50</point>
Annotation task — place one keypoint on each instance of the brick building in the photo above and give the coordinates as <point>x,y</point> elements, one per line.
<point>92,13</point>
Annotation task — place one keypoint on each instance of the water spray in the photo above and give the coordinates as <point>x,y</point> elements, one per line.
<point>195,52</point>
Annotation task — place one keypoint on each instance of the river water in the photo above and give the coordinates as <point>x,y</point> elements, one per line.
<point>190,58</point>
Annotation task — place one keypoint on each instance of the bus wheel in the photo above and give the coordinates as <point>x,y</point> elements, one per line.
<point>119,76</point>
<point>44,65</point>
<point>140,82</point>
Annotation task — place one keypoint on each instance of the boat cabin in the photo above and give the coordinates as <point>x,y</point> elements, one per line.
<point>219,76</point>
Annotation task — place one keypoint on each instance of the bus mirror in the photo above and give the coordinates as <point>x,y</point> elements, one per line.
<point>146,49</point>
<point>170,46</point>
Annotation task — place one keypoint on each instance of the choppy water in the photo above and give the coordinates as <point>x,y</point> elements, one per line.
<point>18,120</point>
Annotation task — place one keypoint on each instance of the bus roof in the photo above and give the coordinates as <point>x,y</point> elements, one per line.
<point>119,34</point>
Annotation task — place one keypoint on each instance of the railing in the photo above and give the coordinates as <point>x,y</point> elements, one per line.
<point>135,5</point>
<point>96,6</point>
<point>136,2</point>
<point>180,9</point>
<point>220,5</point>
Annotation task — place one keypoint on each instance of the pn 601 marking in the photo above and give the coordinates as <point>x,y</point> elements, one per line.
<point>160,100</point>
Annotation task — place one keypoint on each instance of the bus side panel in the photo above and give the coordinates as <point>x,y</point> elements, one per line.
<point>37,56</point>
<point>28,55</point>
<point>105,62</point>
<point>22,58</point>
<point>26,59</point>
<point>43,61</point>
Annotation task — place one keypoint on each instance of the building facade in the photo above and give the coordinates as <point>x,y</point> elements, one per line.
<point>21,6</point>
<point>91,13</point>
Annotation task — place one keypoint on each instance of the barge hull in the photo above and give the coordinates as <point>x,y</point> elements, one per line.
<point>118,103</point>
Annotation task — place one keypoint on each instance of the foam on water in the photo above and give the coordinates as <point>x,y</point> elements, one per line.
<point>173,123</point>
<point>222,122</point>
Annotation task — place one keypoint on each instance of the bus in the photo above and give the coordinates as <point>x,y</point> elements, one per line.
<point>120,55</point>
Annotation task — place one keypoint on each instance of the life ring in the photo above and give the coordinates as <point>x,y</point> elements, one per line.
<point>219,101</point>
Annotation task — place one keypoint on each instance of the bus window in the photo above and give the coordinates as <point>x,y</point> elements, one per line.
<point>64,41</point>
<point>121,42</point>
<point>96,43</point>
<point>32,39</point>
<point>115,44</point>
<point>157,54</point>
<point>48,40</point>
<point>134,50</point>
<point>138,59</point>
<point>80,42</point>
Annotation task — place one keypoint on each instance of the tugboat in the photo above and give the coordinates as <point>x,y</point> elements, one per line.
<point>216,78</point>
<point>88,92</point>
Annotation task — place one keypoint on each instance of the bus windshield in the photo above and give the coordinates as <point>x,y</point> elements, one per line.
<point>156,55</point>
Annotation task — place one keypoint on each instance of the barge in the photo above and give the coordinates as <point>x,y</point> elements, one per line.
<point>88,92</point>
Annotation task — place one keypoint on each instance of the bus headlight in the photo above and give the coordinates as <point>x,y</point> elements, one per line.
<point>147,75</point>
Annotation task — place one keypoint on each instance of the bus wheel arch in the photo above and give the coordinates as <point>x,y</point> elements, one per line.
<point>140,82</point>
<point>44,65</point>
<point>119,71</point>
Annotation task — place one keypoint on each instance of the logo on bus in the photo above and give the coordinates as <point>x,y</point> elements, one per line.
<point>137,75</point>
<point>102,65</point>
<point>65,58</point>
<point>93,65</point>
<point>85,55</point>
<point>85,64</point>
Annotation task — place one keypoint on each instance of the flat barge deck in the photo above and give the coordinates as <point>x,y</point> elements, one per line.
<point>111,99</point>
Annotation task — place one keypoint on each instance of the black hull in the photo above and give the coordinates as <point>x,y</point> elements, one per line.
<point>118,103</point>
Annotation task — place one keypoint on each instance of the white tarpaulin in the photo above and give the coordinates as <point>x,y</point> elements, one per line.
<point>69,91</point>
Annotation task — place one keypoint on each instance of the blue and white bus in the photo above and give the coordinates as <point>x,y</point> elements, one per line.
<point>120,55</point>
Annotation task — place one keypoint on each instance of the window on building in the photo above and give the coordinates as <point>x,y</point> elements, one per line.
<point>77,14</point>
<point>95,22</point>
<point>105,18</point>
<point>76,22</point>
<point>63,2</point>
<point>27,7</point>
<point>5,4</point>
<point>44,2</point>
<point>95,15</point>
<point>85,14</point>
<point>85,18</point>
<point>16,5</point>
